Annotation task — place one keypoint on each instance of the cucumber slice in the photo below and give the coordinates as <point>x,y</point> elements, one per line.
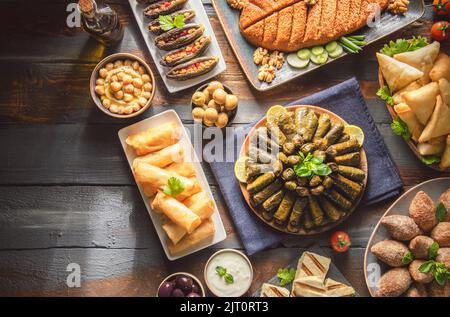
<point>337,52</point>
<point>296,62</point>
<point>330,47</point>
<point>317,50</point>
<point>304,54</point>
<point>320,59</point>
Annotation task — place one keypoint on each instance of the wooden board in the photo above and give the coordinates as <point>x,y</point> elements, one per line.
<point>302,232</point>
<point>229,19</point>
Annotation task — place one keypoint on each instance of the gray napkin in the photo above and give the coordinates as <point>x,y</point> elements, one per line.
<point>346,100</point>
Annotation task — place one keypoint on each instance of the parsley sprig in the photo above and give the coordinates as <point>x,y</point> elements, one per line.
<point>311,165</point>
<point>229,279</point>
<point>167,23</point>
<point>430,159</point>
<point>402,45</point>
<point>385,94</point>
<point>441,212</point>
<point>437,269</point>
<point>407,258</point>
<point>174,187</point>
<point>286,275</point>
<point>399,127</point>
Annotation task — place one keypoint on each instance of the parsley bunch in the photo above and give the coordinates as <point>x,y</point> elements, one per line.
<point>385,94</point>
<point>399,127</point>
<point>402,45</point>
<point>167,23</point>
<point>286,276</point>
<point>437,269</point>
<point>311,165</point>
<point>174,187</point>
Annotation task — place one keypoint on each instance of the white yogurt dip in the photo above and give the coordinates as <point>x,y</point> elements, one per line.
<point>235,264</point>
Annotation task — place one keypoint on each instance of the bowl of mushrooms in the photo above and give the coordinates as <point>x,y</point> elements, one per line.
<point>122,85</point>
<point>214,104</point>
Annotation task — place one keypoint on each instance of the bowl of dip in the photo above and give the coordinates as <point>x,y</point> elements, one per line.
<point>228,273</point>
<point>122,85</point>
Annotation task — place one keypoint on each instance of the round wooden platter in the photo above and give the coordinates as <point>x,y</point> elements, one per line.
<point>410,143</point>
<point>434,188</point>
<point>302,232</point>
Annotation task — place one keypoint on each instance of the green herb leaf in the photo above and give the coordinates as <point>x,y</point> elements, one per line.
<point>174,187</point>
<point>286,275</point>
<point>167,23</point>
<point>426,266</point>
<point>407,258</point>
<point>385,94</point>
<point>430,159</point>
<point>400,128</point>
<point>311,165</point>
<point>402,45</point>
<point>437,269</point>
<point>229,279</point>
<point>432,251</point>
<point>221,270</point>
<point>441,212</point>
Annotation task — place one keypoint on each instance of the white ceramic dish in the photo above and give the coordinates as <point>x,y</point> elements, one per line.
<point>162,118</point>
<point>213,49</point>
<point>434,188</point>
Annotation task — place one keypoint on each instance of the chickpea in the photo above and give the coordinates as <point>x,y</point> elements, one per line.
<point>118,64</point>
<point>207,94</point>
<point>198,113</point>
<point>222,120</point>
<point>114,108</point>
<point>198,99</point>
<point>109,66</point>
<point>127,79</point>
<point>127,62</point>
<point>119,95</point>
<point>146,94</point>
<point>137,92</point>
<point>135,106</point>
<point>116,86</point>
<point>128,110</point>
<point>121,75</point>
<point>141,70</point>
<point>103,72</point>
<point>142,101</point>
<point>211,115</point>
<point>100,90</point>
<point>106,103</point>
<point>147,87</point>
<point>127,97</point>
<point>137,82</point>
<point>135,65</point>
<point>213,86</point>
<point>212,104</point>
<point>121,109</point>
<point>208,123</point>
<point>231,102</point>
<point>219,96</point>
<point>114,78</point>
<point>128,88</point>
<point>100,81</point>
<point>146,78</point>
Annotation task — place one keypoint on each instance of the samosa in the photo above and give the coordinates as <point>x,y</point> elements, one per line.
<point>397,74</point>
<point>441,68</point>
<point>422,101</point>
<point>445,159</point>
<point>398,96</point>
<point>407,115</point>
<point>439,123</point>
<point>433,147</point>
<point>422,59</point>
<point>444,87</point>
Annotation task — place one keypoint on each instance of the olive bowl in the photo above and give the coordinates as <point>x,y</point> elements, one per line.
<point>111,59</point>
<point>231,114</point>
<point>174,275</point>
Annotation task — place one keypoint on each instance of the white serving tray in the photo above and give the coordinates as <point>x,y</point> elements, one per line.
<point>162,118</point>
<point>213,49</point>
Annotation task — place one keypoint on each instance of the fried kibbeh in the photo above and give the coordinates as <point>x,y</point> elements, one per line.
<point>394,282</point>
<point>417,290</point>
<point>436,290</point>
<point>445,200</point>
<point>423,211</point>
<point>441,234</point>
<point>401,228</point>
<point>443,255</point>
<point>416,275</point>
<point>420,247</point>
<point>390,252</point>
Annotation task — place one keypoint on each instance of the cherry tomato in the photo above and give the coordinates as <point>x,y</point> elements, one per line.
<point>340,241</point>
<point>440,31</point>
<point>441,7</point>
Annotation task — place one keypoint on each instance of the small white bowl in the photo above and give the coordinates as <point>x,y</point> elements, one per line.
<point>223,251</point>
<point>196,280</point>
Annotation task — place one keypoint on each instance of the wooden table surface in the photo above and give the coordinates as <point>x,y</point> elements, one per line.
<point>66,192</point>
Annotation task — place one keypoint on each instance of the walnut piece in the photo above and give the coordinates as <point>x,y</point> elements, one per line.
<point>261,56</point>
<point>398,6</point>
<point>266,73</point>
<point>276,59</point>
<point>237,4</point>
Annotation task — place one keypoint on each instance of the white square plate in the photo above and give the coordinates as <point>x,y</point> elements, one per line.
<point>162,118</point>
<point>157,54</point>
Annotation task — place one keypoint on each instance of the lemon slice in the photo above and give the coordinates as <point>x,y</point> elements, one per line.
<point>355,132</point>
<point>240,169</point>
<point>274,112</point>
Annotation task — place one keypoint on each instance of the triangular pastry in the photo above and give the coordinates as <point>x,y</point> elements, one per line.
<point>311,264</point>
<point>441,68</point>
<point>439,123</point>
<point>422,59</point>
<point>338,289</point>
<point>398,96</point>
<point>309,286</point>
<point>422,101</point>
<point>433,147</point>
<point>397,74</point>
<point>444,88</point>
<point>408,116</point>
<point>445,159</point>
<point>269,290</point>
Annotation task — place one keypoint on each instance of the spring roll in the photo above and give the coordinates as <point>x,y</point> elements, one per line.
<point>205,231</point>
<point>157,178</point>
<point>171,154</point>
<point>176,211</point>
<point>154,139</point>
<point>185,169</point>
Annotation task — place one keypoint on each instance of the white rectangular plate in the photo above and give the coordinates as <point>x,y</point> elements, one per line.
<point>149,38</point>
<point>162,118</point>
